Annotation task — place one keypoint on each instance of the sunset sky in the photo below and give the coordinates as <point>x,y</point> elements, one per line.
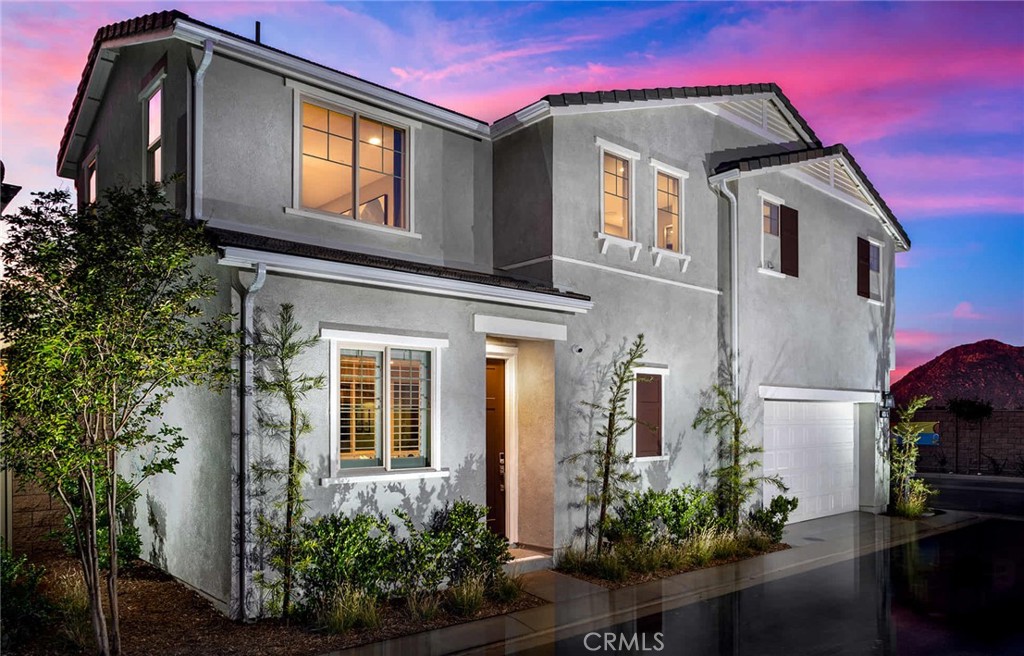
<point>929,97</point>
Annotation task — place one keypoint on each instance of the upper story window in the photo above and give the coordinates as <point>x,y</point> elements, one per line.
<point>869,269</point>
<point>780,244</point>
<point>91,194</point>
<point>669,231</point>
<point>648,409</point>
<point>154,135</point>
<point>353,166</point>
<point>383,406</point>
<point>616,196</point>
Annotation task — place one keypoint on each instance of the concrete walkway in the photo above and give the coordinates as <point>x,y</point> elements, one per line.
<point>577,607</point>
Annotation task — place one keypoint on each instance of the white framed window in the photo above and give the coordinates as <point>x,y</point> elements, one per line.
<point>152,98</point>
<point>869,269</point>
<point>771,244</point>
<point>617,193</point>
<point>649,411</point>
<point>669,214</point>
<point>383,404</point>
<point>90,188</point>
<point>352,162</point>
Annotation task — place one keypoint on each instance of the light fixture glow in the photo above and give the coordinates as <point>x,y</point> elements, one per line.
<point>375,141</point>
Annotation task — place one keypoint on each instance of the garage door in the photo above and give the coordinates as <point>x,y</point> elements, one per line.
<point>813,447</point>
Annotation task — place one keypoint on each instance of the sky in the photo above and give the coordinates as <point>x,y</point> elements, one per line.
<point>929,97</point>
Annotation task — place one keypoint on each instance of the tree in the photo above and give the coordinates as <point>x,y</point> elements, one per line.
<point>611,474</point>
<point>971,411</point>
<point>734,478</point>
<point>908,494</point>
<point>102,312</point>
<point>276,349</point>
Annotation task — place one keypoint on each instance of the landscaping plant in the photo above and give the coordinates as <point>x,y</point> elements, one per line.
<point>771,521</point>
<point>129,540</point>
<point>24,610</point>
<point>907,493</point>
<point>611,471</point>
<point>734,477</point>
<point>104,322</point>
<point>279,379</point>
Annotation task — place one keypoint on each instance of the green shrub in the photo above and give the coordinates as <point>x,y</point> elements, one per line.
<point>648,516</point>
<point>708,544</point>
<point>354,553</point>
<point>507,587</point>
<point>349,608</point>
<point>467,596</point>
<point>609,566</point>
<point>771,521</point>
<point>571,560</point>
<point>472,550</point>
<point>914,501</point>
<point>23,609</point>
<point>129,540</point>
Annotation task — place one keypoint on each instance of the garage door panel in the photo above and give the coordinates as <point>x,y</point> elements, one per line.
<point>812,447</point>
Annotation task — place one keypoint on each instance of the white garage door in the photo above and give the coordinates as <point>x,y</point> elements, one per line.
<point>813,447</point>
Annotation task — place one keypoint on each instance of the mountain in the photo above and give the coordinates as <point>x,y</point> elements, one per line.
<point>988,370</point>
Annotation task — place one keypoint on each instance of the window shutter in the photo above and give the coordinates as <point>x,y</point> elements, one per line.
<point>788,231</point>
<point>863,268</point>
<point>648,415</point>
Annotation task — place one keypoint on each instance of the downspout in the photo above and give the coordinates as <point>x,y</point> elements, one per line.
<point>197,134</point>
<point>245,365</point>
<point>723,187</point>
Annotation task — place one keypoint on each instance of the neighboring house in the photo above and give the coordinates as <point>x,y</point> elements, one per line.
<point>471,283</point>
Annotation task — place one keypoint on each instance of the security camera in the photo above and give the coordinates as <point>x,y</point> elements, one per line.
<point>577,349</point>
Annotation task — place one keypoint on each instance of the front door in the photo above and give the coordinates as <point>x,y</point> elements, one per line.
<point>496,445</point>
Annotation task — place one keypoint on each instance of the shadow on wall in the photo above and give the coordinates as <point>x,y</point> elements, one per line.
<point>156,517</point>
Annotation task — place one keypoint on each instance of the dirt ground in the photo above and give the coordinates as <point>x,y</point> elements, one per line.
<point>161,616</point>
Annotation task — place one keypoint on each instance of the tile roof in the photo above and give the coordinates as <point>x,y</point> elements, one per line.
<point>225,238</point>
<point>808,155</point>
<point>666,93</point>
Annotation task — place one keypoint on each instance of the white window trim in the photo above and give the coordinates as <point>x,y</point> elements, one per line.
<point>380,343</point>
<point>154,85</point>
<point>631,156</point>
<point>92,159</point>
<point>345,105</point>
<point>764,196</point>
<point>662,371</point>
<point>880,301</point>
<point>660,254</point>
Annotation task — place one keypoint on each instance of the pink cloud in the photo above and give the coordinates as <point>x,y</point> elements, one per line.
<point>965,310</point>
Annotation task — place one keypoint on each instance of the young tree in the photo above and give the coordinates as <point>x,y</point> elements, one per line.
<point>735,480</point>
<point>611,473</point>
<point>907,493</point>
<point>102,314</point>
<point>276,349</point>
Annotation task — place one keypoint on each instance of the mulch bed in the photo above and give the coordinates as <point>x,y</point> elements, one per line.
<point>636,578</point>
<point>161,616</point>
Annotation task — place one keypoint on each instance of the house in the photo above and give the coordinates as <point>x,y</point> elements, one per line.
<point>471,282</point>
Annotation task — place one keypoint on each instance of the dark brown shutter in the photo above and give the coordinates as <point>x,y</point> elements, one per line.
<point>863,268</point>
<point>789,242</point>
<point>648,415</point>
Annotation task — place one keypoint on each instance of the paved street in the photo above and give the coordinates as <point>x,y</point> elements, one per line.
<point>1001,495</point>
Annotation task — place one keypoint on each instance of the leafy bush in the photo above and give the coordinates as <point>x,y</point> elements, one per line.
<point>24,610</point>
<point>349,608</point>
<point>338,552</point>
<point>471,549</point>
<point>129,540</point>
<point>771,521</point>
<point>648,516</point>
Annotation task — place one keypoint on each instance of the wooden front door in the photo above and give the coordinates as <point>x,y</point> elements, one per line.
<point>495,458</point>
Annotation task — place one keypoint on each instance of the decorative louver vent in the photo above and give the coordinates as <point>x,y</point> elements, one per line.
<point>764,113</point>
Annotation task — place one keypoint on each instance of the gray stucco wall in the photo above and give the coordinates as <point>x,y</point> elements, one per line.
<point>248,159</point>
<point>119,130</point>
<point>523,190</point>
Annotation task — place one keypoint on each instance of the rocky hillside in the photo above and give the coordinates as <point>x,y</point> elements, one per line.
<point>988,370</point>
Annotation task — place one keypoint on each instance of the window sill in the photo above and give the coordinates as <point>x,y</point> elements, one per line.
<point>644,459</point>
<point>606,240</point>
<point>771,272</point>
<point>659,254</point>
<point>875,301</point>
<point>350,222</point>
<point>378,475</point>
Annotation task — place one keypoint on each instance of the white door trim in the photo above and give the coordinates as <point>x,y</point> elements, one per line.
<point>510,355</point>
